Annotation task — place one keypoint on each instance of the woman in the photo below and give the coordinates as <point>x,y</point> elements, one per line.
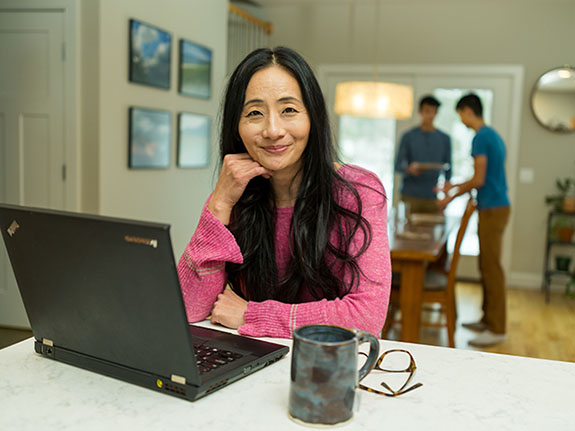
<point>296,238</point>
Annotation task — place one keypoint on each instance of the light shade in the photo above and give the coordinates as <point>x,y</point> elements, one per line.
<point>372,99</point>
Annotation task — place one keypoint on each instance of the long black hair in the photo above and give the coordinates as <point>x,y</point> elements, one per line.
<point>314,260</point>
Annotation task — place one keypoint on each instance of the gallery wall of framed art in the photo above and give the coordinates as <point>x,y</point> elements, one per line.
<point>150,129</point>
<point>109,186</point>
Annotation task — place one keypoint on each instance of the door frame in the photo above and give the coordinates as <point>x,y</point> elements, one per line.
<point>330,74</point>
<point>70,10</point>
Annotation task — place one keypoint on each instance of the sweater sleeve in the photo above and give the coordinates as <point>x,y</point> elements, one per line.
<point>364,308</point>
<point>201,268</point>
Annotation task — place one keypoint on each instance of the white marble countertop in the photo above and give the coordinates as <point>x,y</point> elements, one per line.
<point>461,390</point>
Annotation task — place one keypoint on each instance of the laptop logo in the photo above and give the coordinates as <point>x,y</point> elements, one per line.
<point>13,228</point>
<point>144,241</point>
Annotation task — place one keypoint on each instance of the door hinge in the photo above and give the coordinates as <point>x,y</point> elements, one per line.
<point>63,51</point>
<point>64,172</point>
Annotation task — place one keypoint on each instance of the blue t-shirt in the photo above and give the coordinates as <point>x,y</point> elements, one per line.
<point>493,193</point>
<point>424,147</point>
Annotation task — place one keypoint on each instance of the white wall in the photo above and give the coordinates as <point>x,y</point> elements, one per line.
<point>88,116</point>
<point>174,195</point>
<point>536,34</point>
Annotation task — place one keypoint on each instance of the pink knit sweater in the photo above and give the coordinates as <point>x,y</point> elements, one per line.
<point>201,270</point>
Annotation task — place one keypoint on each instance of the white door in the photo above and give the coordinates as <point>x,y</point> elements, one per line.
<point>496,95</point>
<point>32,148</point>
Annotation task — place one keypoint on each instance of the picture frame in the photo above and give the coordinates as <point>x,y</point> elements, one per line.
<point>150,55</point>
<point>149,138</point>
<point>194,136</point>
<point>195,70</point>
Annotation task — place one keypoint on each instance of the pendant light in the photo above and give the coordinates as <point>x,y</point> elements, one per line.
<point>374,99</point>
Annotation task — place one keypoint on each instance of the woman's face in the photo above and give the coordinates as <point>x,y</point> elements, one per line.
<point>274,124</point>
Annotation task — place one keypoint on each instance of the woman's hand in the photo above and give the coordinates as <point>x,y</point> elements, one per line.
<point>237,171</point>
<point>229,309</point>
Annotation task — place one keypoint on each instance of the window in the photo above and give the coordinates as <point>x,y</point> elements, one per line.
<point>369,143</point>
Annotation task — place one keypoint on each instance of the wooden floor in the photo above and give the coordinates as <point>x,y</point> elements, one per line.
<point>535,329</point>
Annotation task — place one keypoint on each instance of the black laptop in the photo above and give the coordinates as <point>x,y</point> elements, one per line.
<point>103,294</point>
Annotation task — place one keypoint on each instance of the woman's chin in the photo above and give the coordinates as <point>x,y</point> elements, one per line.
<point>277,165</point>
<point>271,165</point>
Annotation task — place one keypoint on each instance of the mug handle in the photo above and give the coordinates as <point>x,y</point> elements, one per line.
<point>364,337</point>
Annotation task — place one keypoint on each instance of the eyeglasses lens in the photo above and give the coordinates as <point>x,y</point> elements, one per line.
<point>395,361</point>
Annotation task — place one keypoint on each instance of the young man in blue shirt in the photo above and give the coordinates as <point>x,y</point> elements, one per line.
<point>488,151</point>
<point>419,147</point>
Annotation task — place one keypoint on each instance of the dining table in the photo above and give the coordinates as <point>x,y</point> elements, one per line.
<point>415,242</point>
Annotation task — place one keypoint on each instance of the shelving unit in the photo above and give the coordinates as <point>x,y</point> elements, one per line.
<point>550,243</point>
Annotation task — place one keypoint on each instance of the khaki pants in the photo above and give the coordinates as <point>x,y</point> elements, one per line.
<point>491,226</point>
<point>419,205</point>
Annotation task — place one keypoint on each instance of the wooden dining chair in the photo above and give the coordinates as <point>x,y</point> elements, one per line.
<point>439,284</point>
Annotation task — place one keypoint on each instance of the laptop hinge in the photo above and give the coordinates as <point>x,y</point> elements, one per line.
<point>178,379</point>
<point>47,342</point>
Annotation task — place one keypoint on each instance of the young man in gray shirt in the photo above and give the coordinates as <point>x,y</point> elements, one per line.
<point>422,150</point>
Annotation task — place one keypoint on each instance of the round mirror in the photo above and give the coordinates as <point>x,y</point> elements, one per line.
<point>553,100</point>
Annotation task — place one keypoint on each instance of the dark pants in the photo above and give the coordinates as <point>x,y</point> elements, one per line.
<point>491,227</point>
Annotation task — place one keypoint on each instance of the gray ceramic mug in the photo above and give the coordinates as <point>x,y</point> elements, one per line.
<point>324,374</point>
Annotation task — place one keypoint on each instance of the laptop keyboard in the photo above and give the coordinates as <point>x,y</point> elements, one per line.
<point>209,358</point>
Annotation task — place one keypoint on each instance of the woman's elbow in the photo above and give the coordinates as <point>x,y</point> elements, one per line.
<point>197,315</point>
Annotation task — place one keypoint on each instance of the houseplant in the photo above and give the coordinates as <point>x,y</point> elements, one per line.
<point>562,229</point>
<point>564,199</point>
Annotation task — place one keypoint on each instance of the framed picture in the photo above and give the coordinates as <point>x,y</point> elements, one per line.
<point>150,55</point>
<point>195,70</point>
<point>150,136</point>
<point>193,140</point>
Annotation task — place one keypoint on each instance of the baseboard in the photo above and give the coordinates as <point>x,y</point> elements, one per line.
<point>530,280</point>
<point>524,280</point>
